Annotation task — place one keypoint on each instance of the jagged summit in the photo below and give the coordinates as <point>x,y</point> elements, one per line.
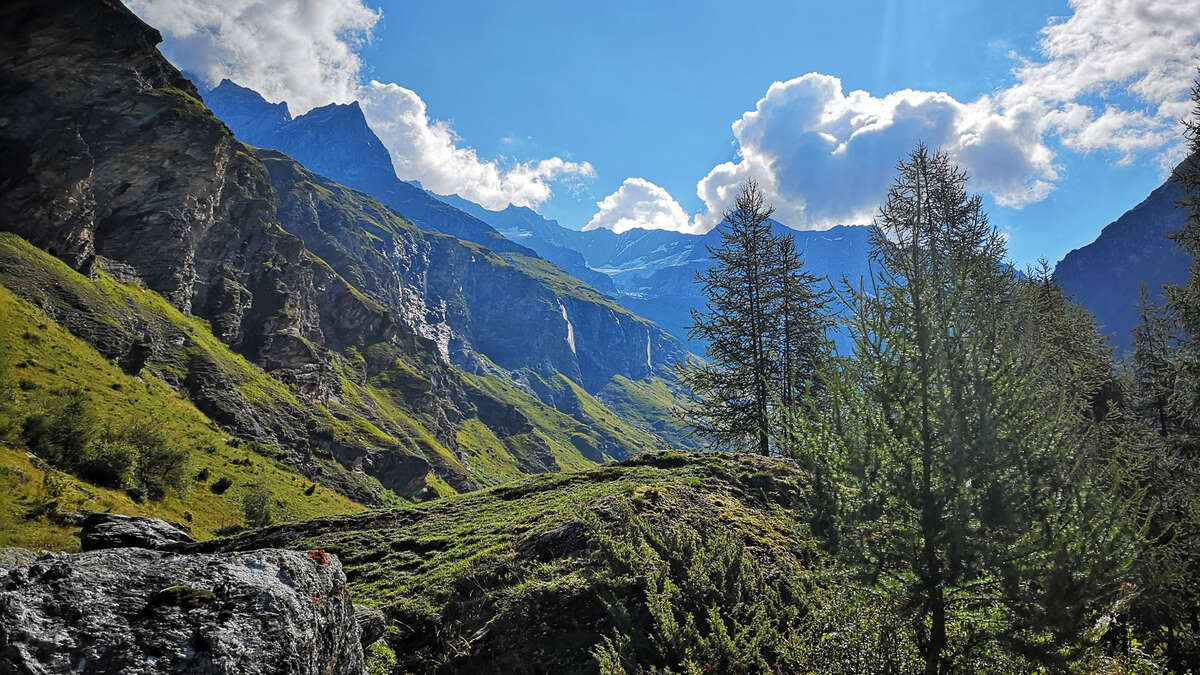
<point>337,142</point>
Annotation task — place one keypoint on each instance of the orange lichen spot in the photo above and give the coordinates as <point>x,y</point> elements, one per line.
<point>319,556</point>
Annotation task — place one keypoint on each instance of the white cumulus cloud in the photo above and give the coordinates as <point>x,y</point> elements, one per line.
<point>427,150</point>
<point>638,203</point>
<point>305,52</point>
<point>301,51</point>
<point>1112,77</point>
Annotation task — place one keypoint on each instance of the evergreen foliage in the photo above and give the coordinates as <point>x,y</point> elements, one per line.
<point>764,325</point>
<point>984,489</point>
<point>1165,385</point>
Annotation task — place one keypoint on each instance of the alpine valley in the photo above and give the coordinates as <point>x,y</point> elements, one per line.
<point>265,407</point>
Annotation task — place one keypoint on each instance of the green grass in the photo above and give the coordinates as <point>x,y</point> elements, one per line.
<point>43,360</point>
<point>574,444</point>
<point>650,404</point>
<point>505,576</point>
<point>491,463</point>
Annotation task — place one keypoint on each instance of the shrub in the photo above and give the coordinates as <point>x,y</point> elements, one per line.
<point>162,467</point>
<point>221,485</point>
<point>108,462</point>
<point>161,464</point>
<point>256,504</point>
<point>63,435</point>
<point>691,597</point>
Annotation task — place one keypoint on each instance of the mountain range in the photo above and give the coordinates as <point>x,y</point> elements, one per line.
<point>652,273</point>
<point>317,321</point>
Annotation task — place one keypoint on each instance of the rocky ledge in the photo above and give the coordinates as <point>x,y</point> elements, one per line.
<point>134,610</point>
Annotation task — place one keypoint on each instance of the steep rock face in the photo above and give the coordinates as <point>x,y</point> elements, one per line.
<point>517,311</point>
<point>143,183</point>
<point>1106,275</point>
<point>132,610</point>
<point>146,181</point>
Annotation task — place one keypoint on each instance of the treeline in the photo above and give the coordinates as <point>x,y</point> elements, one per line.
<point>989,486</point>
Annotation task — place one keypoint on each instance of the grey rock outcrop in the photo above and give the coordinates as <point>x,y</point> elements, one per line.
<point>113,530</point>
<point>13,556</point>
<point>137,611</point>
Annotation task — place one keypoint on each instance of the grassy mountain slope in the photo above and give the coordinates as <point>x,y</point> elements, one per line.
<point>178,252</point>
<point>41,361</point>
<point>534,574</point>
<point>650,404</point>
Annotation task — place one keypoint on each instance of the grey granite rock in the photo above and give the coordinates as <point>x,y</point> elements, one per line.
<point>113,530</point>
<point>137,612</point>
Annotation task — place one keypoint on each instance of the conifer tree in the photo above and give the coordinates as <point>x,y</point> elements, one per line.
<point>803,323</point>
<point>965,426</point>
<point>764,324</point>
<point>1150,365</point>
<point>732,397</point>
<point>1168,610</point>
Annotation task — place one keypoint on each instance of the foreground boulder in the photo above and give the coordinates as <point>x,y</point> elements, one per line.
<point>131,610</point>
<point>113,530</point>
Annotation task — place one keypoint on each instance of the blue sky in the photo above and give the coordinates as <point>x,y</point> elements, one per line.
<point>620,114</point>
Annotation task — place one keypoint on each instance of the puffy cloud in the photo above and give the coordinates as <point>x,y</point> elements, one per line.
<point>824,156</point>
<point>301,51</point>
<point>1112,77</point>
<point>639,203</point>
<point>305,52</point>
<point>427,150</point>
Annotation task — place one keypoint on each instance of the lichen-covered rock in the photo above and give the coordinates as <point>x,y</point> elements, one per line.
<point>113,530</point>
<point>13,556</point>
<point>136,611</point>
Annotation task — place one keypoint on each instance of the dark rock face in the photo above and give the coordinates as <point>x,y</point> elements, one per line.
<point>1106,275</point>
<point>150,184</point>
<point>136,611</point>
<point>113,530</point>
<point>465,298</point>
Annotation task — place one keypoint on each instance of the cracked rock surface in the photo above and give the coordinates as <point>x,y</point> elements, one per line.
<point>135,611</point>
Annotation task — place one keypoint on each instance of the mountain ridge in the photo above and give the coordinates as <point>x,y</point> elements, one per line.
<point>1105,275</point>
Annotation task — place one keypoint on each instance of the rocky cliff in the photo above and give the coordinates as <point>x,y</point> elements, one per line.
<point>343,367</point>
<point>513,309</point>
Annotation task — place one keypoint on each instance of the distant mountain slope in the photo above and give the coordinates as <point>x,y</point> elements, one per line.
<point>654,271</point>
<point>488,309</point>
<point>518,220</point>
<point>1105,276</point>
